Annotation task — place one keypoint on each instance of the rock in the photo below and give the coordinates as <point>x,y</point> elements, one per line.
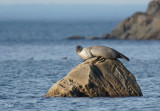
<point>154,7</point>
<point>64,58</point>
<point>92,78</point>
<point>140,26</point>
<point>75,37</point>
<point>31,58</point>
<point>93,38</point>
<point>106,36</point>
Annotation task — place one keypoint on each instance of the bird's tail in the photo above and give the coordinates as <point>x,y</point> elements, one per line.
<point>124,57</point>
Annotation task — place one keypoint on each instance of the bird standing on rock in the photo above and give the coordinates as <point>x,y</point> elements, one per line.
<point>100,52</point>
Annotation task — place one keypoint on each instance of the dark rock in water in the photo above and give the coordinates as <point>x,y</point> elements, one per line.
<point>64,58</point>
<point>93,38</point>
<point>93,78</point>
<point>31,58</point>
<point>106,36</point>
<point>140,26</point>
<point>75,37</point>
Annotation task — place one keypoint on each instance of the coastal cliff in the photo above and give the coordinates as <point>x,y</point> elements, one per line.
<point>140,26</point>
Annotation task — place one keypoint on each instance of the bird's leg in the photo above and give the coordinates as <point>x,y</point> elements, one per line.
<point>97,59</point>
<point>102,59</point>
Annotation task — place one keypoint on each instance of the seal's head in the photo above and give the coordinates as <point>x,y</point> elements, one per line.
<point>79,48</point>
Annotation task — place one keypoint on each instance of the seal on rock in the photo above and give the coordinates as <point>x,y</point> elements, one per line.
<point>99,51</point>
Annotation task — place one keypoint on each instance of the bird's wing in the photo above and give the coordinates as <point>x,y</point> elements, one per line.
<point>104,52</point>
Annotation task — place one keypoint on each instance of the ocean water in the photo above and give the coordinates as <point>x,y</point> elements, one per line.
<point>31,62</point>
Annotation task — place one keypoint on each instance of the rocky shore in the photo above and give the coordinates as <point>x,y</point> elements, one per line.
<point>140,26</point>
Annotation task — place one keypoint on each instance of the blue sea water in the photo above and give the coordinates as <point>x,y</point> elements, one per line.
<point>31,62</point>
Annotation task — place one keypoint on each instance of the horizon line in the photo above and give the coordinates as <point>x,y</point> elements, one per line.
<point>63,2</point>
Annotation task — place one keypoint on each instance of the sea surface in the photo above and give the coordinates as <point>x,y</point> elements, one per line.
<point>31,61</point>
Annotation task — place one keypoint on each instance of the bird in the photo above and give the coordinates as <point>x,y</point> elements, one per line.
<point>100,52</point>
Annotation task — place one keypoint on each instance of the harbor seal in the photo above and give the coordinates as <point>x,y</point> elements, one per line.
<point>99,51</point>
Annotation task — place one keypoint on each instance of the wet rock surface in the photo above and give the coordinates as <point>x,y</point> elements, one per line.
<point>75,37</point>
